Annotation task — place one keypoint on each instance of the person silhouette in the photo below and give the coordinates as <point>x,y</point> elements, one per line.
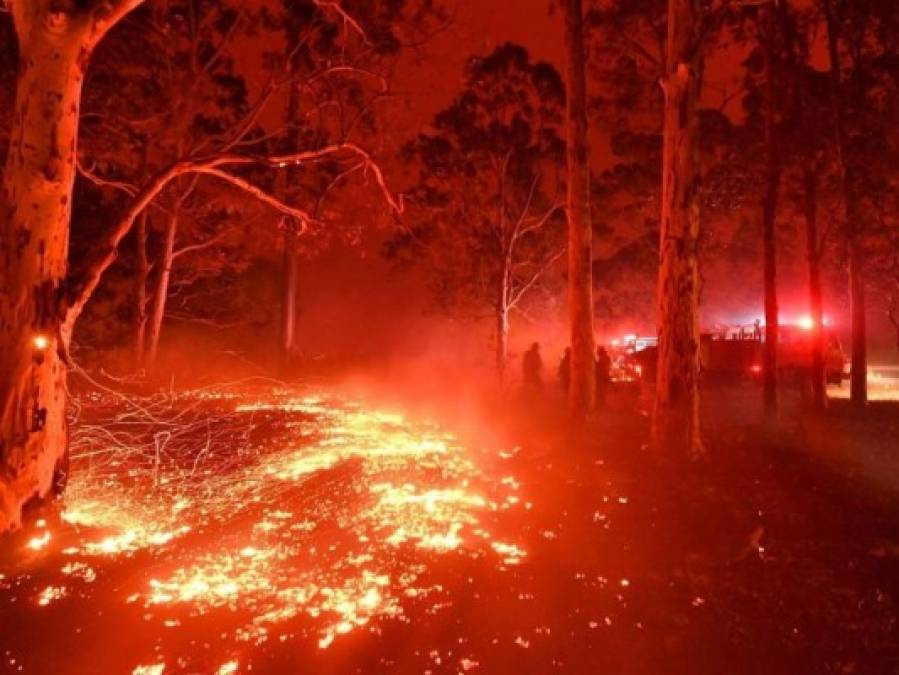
<point>565,371</point>
<point>532,368</point>
<point>603,374</point>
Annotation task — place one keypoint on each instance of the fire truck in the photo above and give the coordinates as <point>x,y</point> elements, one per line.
<point>633,359</point>
<point>736,353</point>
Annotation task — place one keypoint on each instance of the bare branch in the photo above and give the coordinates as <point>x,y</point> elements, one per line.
<point>81,292</point>
<point>249,121</point>
<point>337,179</point>
<point>350,69</point>
<point>538,223</point>
<point>122,186</point>
<point>302,215</point>
<point>371,166</point>
<point>535,277</point>
<point>343,14</point>
<point>199,246</point>
<point>226,40</point>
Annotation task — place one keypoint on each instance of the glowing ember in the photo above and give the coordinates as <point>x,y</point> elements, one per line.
<point>228,668</point>
<point>81,571</point>
<point>37,543</point>
<point>51,594</point>
<point>305,529</point>
<point>154,669</point>
<point>512,555</point>
<point>133,534</point>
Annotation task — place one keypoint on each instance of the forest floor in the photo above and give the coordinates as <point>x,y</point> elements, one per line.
<point>276,530</point>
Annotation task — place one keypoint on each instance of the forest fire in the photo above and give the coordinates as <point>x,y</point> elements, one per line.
<point>265,539</point>
<point>640,258</point>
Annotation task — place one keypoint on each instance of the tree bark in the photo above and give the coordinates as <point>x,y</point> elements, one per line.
<point>55,41</point>
<point>161,292</point>
<point>893,314</point>
<point>676,429</point>
<point>141,275</point>
<point>858,379</point>
<point>166,263</point>
<point>582,396</point>
<point>502,341</point>
<point>816,301</point>
<point>769,221</point>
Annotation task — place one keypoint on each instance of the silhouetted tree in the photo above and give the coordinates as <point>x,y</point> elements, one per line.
<point>582,392</point>
<point>486,211</point>
<point>862,45</point>
<point>627,52</point>
<point>676,416</point>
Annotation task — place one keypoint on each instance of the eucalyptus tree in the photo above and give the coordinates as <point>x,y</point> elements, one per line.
<point>582,392</point>
<point>862,47</point>
<point>485,212</point>
<point>42,300</point>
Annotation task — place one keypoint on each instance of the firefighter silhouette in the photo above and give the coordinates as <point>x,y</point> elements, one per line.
<point>532,368</point>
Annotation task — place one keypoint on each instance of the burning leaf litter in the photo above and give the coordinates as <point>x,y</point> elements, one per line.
<point>306,523</point>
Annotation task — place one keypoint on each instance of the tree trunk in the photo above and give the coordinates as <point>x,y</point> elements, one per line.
<point>582,396</point>
<point>55,41</point>
<point>141,274</point>
<point>858,382</point>
<point>769,224</point>
<point>288,294</point>
<point>815,295</point>
<point>893,314</point>
<point>35,211</point>
<point>676,416</point>
<point>858,377</point>
<point>894,319</point>
<point>502,341</point>
<point>161,292</point>
<point>284,184</point>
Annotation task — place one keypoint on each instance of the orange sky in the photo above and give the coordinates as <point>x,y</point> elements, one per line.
<point>477,28</point>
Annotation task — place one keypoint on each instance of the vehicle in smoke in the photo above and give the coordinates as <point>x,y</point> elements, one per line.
<point>629,359</point>
<point>734,354</point>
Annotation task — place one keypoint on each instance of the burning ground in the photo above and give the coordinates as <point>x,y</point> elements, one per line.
<point>198,527</point>
<point>271,529</point>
